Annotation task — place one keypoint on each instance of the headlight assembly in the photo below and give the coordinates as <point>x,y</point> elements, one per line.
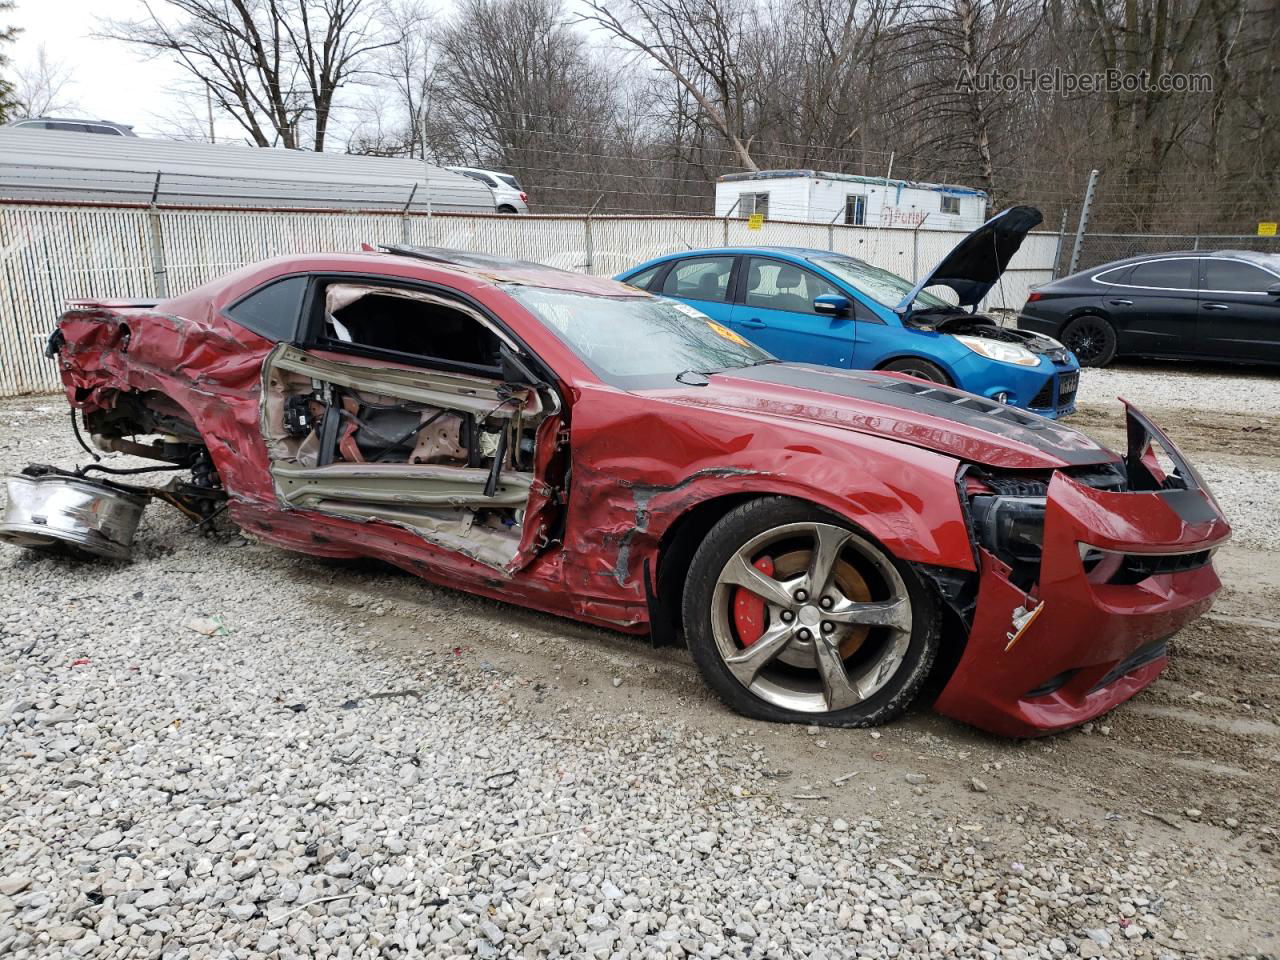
<point>1012,528</point>
<point>997,350</point>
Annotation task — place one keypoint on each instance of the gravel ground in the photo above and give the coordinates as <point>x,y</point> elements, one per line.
<point>1159,385</point>
<point>223,750</point>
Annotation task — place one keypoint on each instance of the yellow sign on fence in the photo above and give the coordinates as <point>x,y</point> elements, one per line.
<point>1267,228</point>
<point>756,221</point>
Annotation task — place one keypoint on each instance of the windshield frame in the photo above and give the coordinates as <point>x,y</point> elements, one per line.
<point>659,379</point>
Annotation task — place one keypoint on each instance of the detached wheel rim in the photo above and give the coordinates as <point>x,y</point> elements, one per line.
<point>1087,340</point>
<point>820,649</point>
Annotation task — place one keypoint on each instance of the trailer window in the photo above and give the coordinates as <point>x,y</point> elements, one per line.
<point>951,205</point>
<point>752,203</point>
<point>855,210</point>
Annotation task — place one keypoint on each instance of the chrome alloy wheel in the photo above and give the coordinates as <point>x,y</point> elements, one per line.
<point>835,623</point>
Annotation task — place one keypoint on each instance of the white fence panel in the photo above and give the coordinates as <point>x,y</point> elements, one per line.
<point>50,255</point>
<point>54,253</point>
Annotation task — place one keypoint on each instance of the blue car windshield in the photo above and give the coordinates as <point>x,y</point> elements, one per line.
<point>880,285</point>
<point>638,342</point>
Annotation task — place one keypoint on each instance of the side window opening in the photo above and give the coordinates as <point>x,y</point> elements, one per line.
<point>701,278</point>
<point>950,205</point>
<point>645,277</point>
<point>1174,274</point>
<point>419,324</point>
<point>1234,276</point>
<point>774,285</point>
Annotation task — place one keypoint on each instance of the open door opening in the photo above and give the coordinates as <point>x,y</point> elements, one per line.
<point>448,454</point>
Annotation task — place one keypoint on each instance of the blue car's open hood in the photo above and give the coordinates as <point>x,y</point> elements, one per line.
<point>974,264</point>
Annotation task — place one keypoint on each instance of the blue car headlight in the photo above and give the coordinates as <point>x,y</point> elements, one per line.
<point>998,350</point>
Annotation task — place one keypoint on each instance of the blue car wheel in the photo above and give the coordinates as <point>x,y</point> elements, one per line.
<point>918,367</point>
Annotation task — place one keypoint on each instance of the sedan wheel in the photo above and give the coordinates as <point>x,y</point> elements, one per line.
<point>1092,339</point>
<point>792,616</point>
<point>918,367</point>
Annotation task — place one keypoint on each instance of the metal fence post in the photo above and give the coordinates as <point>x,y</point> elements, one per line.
<point>727,215</point>
<point>1057,250</point>
<point>1084,221</point>
<point>915,252</point>
<point>159,273</point>
<point>405,236</point>
<point>588,244</point>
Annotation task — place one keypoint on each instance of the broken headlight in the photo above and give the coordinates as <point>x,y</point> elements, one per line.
<point>1012,528</point>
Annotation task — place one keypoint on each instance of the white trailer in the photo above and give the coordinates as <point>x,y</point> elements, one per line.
<point>91,168</point>
<point>812,196</point>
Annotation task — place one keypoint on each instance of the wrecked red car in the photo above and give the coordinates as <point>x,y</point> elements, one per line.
<point>823,541</point>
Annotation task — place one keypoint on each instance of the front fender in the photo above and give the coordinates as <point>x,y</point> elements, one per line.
<point>624,499</point>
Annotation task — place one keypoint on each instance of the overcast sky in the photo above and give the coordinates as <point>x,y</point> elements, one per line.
<point>112,81</point>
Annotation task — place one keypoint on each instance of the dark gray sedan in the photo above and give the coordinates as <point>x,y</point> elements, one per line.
<point>1208,305</point>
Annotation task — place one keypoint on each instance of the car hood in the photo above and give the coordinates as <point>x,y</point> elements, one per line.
<point>974,264</point>
<point>904,409</point>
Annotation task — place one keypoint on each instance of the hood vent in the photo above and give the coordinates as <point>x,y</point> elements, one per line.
<point>968,401</point>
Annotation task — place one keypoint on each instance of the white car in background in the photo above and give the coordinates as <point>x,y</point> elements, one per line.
<point>508,195</point>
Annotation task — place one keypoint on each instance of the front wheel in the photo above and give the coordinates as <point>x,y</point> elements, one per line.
<point>791,616</point>
<point>1092,339</point>
<point>918,367</point>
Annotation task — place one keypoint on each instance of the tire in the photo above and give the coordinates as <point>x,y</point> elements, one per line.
<point>1092,339</point>
<point>918,367</point>
<point>858,674</point>
<point>505,208</point>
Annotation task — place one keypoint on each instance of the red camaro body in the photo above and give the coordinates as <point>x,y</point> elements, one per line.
<point>620,481</point>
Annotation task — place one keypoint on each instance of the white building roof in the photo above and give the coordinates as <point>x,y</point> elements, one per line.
<point>89,168</point>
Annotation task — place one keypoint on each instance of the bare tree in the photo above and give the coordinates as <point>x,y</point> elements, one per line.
<point>955,48</point>
<point>394,109</point>
<point>41,87</point>
<point>519,88</point>
<point>8,102</point>
<point>708,46</point>
<point>275,66</point>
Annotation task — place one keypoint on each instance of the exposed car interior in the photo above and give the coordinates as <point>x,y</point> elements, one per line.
<point>446,451</point>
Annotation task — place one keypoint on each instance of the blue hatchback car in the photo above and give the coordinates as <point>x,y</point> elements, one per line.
<point>815,306</point>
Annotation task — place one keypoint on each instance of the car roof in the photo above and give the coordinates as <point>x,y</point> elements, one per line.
<point>414,261</point>
<point>97,123</point>
<point>494,173</point>
<point>803,253</point>
<point>1254,256</point>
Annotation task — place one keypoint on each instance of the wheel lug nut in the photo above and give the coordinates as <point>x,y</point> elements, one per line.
<point>802,595</point>
<point>804,634</point>
<point>827,626</point>
<point>787,616</point>
<point>826,603</point>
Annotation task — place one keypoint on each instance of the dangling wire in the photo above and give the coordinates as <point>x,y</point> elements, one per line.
<point>75,428</point>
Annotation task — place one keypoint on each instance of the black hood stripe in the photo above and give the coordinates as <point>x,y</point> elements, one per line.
<point>1050,438</point>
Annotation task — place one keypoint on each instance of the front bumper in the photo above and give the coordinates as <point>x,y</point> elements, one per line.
<point>1048,389</point>
<point>1092,632</point>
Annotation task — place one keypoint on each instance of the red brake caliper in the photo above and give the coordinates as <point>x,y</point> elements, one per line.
<point>748,608</point>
